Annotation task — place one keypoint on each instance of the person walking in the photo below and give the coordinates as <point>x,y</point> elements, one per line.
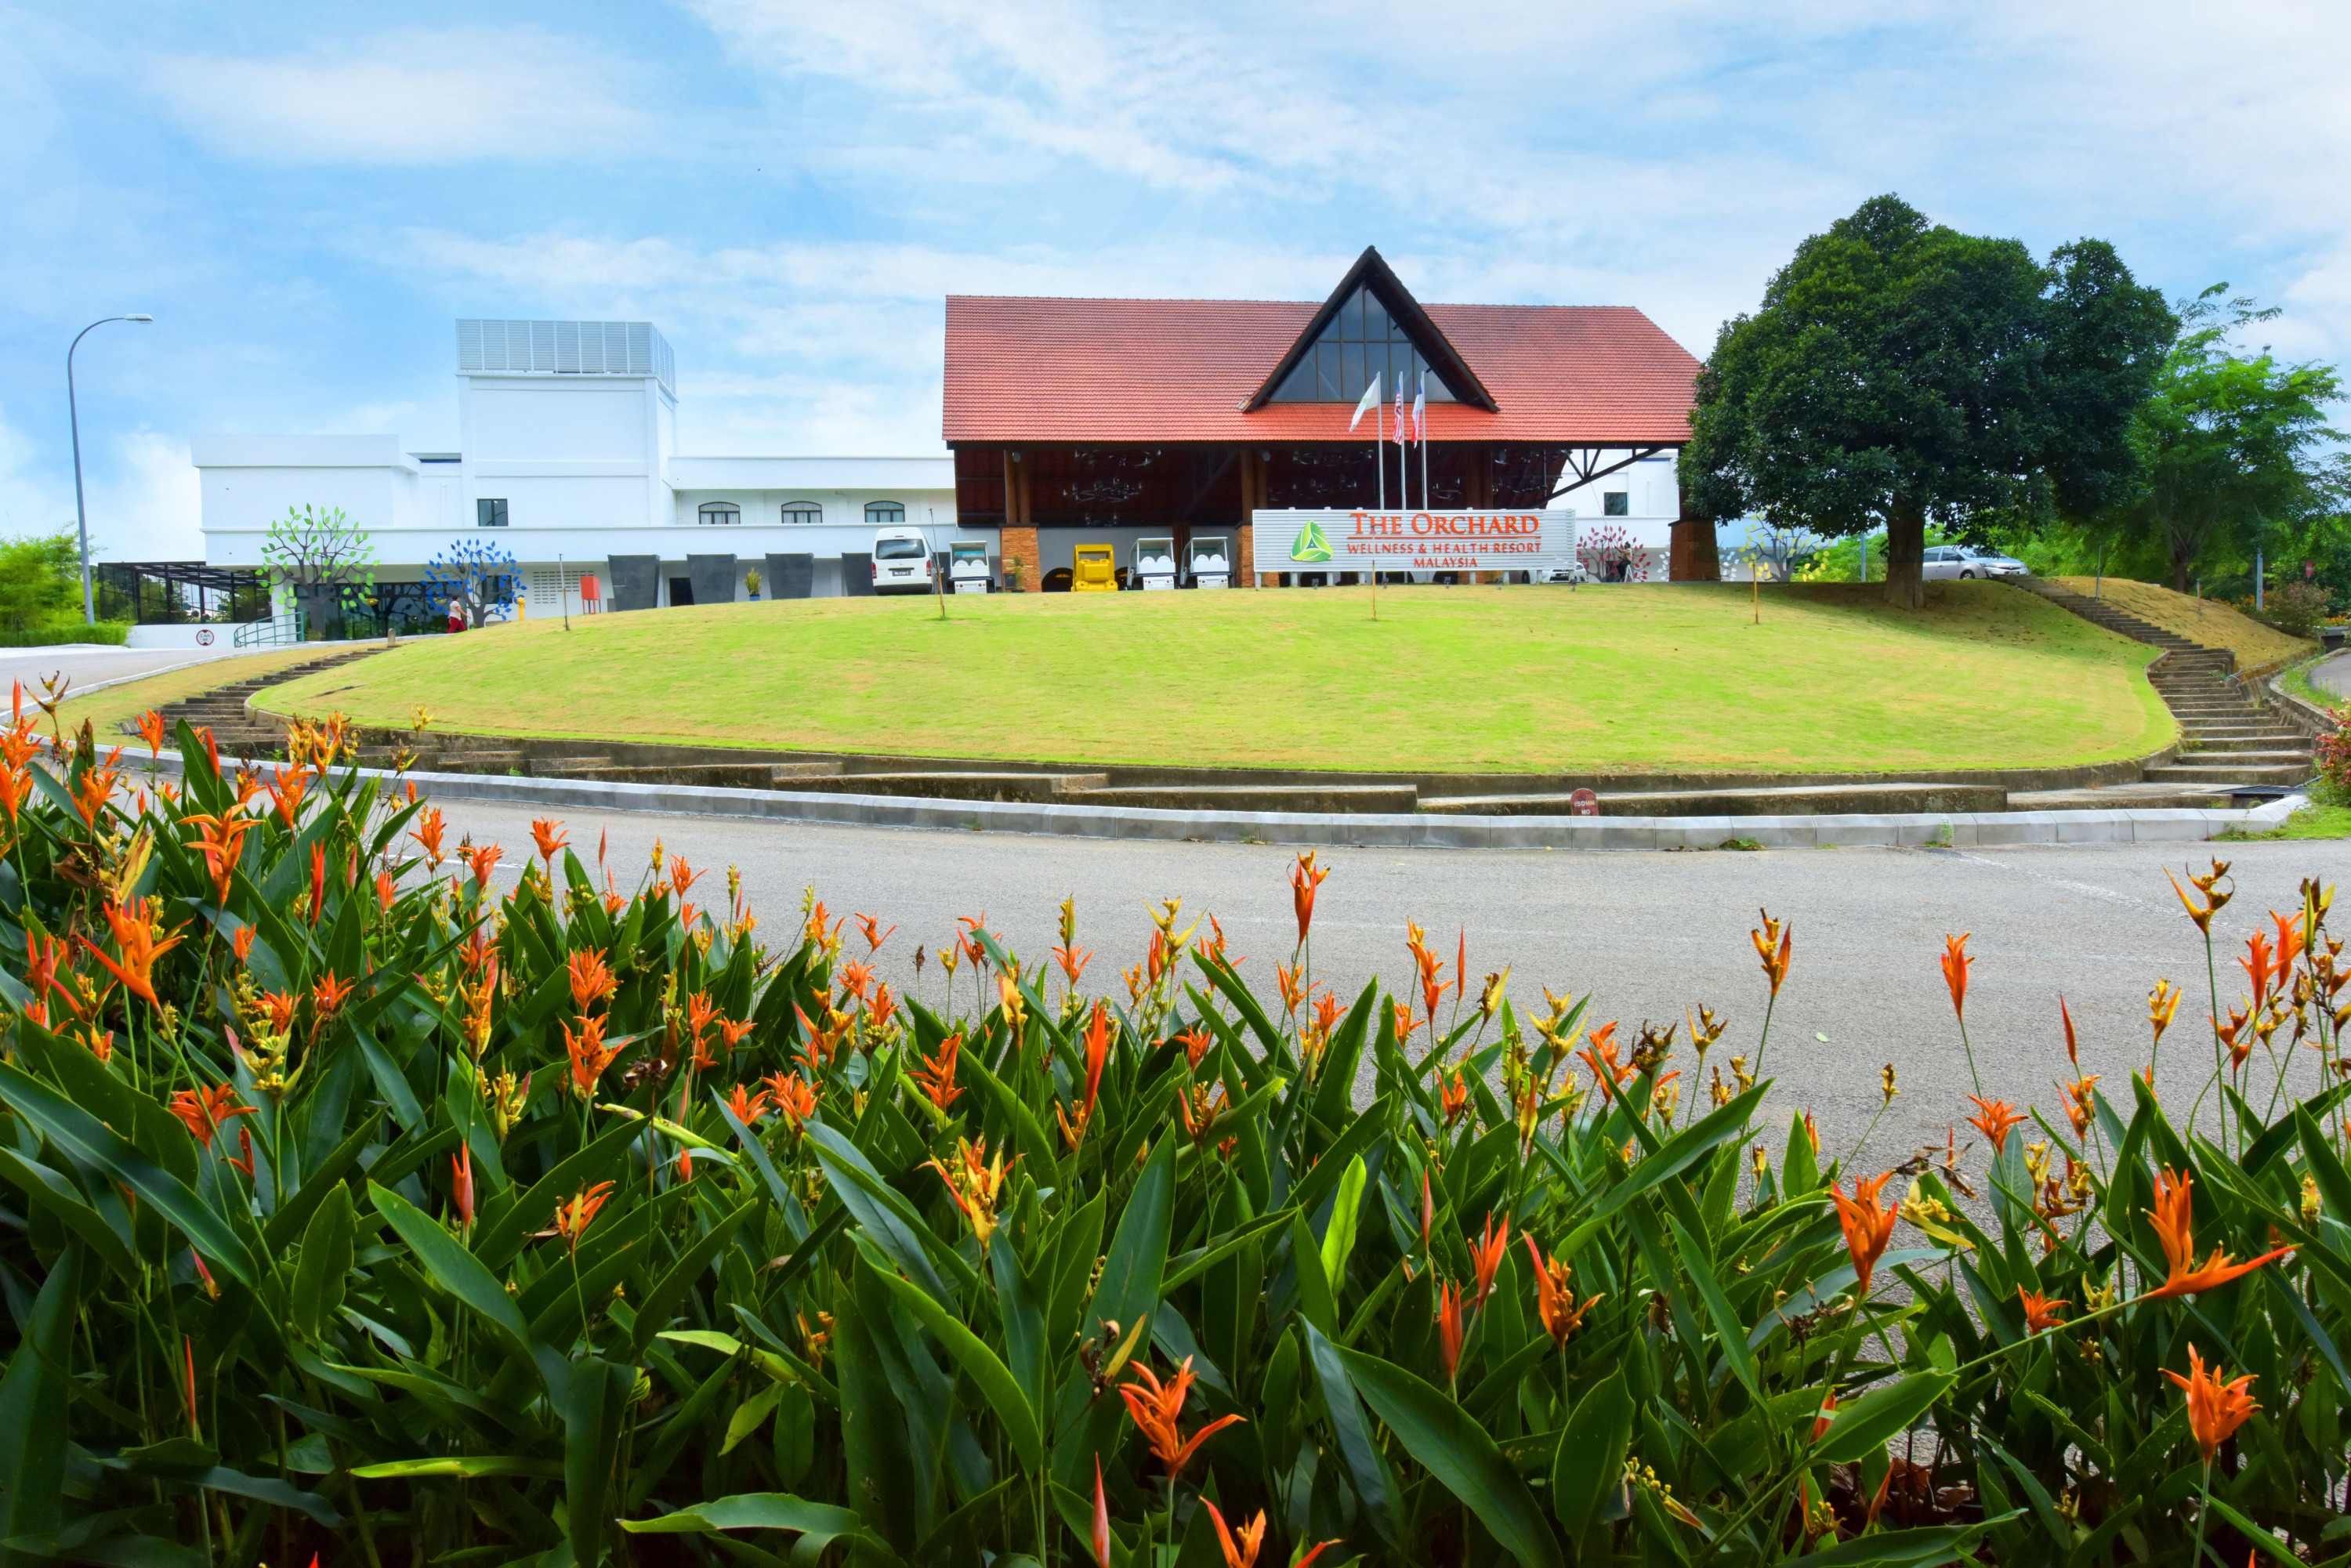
<point>456,615</point>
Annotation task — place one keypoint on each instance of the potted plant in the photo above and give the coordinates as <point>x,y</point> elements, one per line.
<point>751,582</point>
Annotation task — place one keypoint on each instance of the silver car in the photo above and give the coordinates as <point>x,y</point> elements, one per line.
<point>1970,561</point>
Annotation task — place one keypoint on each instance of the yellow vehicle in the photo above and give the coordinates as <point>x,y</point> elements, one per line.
<point>1095,570</point>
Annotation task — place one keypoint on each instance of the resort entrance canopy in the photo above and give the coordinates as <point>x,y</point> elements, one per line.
<point>1184,415</point>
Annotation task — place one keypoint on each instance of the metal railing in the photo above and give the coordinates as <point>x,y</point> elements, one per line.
<point>272,631</point>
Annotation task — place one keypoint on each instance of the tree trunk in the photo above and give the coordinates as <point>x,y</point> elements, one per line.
<point>1905,554</point>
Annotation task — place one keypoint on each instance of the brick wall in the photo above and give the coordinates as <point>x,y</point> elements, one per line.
<point>1020,543</point>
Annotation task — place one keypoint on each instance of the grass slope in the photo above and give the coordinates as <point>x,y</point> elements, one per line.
<point>1473,679</point>
<point>110,710</point>
<point>2259,648</point>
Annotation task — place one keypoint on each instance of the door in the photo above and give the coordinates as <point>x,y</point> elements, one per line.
<point>681,591</point>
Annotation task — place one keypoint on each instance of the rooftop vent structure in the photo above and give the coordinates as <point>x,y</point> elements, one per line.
<point>565,349</point>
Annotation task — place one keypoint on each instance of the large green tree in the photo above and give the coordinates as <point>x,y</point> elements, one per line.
<point>40,581</point>
<point>2234,450</point>
<point>1899,372</point>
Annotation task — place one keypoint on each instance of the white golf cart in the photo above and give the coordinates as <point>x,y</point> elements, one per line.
<point>1209,562</point>
<point>1154,563</point>
<point>967,566</point>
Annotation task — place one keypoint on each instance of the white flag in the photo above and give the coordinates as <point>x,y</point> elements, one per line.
<point>1420,411</point>
<point>1371,401</point>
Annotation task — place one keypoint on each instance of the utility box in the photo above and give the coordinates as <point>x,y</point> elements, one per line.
<point>1154,562</point>
<point>967,566</point>
<point>1210,561</point>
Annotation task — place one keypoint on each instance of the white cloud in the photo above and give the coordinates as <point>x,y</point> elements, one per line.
<point>405,97</point>
<point>141,490</point>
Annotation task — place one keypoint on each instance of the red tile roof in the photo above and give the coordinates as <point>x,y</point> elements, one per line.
<point>1022,370</point>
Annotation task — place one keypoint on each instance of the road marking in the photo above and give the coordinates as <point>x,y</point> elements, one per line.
<point>2092,889</point>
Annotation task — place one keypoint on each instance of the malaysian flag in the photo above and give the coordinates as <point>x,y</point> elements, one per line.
<point>1402,417</point>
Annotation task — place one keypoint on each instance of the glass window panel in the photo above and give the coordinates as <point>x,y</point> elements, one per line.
<point>1352,379</point>
<point>1375,318</point>
<point>1329,380</point>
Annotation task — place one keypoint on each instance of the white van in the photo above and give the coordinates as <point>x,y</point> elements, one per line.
<point>902,561</point>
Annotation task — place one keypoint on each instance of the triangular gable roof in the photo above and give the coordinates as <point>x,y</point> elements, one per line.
<point>1372,271</point>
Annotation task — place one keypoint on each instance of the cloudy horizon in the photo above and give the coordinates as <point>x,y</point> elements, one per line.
<point>306,199</point>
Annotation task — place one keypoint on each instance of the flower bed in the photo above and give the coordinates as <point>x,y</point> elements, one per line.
<point>362,1209</point>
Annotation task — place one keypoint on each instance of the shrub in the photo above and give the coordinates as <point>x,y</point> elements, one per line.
<point>51,633</point>
<point>370,1210</point>
<point>40,583</point>
<point>2296,609</point>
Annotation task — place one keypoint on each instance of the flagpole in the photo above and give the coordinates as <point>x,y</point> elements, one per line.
<point>1421,419</point>
<point>1379,452</point>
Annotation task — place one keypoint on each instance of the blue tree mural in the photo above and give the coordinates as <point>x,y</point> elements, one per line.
<point>478,575</point>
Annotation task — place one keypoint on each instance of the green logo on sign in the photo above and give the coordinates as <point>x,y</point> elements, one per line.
<point>1311,545</point>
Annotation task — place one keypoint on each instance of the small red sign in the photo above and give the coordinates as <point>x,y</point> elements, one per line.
<point>204,638</point>
<point>1584,803</point>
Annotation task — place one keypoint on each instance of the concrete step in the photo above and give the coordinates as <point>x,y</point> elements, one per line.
<point>1327,798</point>
<point>2192,773</point>
<point>1038,788</point>
<point>2119,797</point>
<point>1808,799</point>
<point>565,767</point>
<point>2206,742</point>
<point>2275,757</point>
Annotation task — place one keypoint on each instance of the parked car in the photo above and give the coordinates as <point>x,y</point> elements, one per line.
<point>902,561</point>
<point>1970,561</point>
<point>1572,573</point>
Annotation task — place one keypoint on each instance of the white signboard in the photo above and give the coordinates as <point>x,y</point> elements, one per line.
<point>1406,540</point>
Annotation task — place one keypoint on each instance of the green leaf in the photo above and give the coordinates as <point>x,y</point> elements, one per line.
<point>463,1465</point>
<point>1339,1236</point>
<point>1865,1425</point>
<point>325,1262</point>
<point>1129,1292</point>
<point>982,1365</point>
<point>818,1524</point>
<point>33,1401</point>
<point>595,1418</point>
<point>82,1136</point>
<point>885,1214</point>
<point>1729,1333</point>
<point>1365,1467</point>
<point>506,1228</point>
<point>453,1267</point>
<point>1459,1453</point>
<point>1591,1453</point>
<point>1926,1548</point>
<point>1682,1150</point>
<point>51,1191</point>
<point>750,1414</point>
<point>662,1301</point>
<point>1314,1302</point>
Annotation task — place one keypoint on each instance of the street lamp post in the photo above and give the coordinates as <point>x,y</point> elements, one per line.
<point>73,418</point>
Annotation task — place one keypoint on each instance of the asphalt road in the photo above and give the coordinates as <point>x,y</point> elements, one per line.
<point>2333,676</point>
<point>87,664</point>
<point>1650,932</point>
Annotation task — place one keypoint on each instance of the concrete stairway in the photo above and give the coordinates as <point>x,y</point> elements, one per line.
<point>2228,742</point>
<point>240,731</point>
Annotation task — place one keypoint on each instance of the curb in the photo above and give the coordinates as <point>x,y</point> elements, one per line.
<point>1407,831</point>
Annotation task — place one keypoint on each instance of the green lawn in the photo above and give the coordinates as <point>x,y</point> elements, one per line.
<point>1475,679</point>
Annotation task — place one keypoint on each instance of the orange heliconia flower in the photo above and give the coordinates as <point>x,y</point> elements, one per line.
<point>1776,945</point>
<point>1241,1552</point>
<point>683,876</point>
<point>1956,964</point>
<point>1486,1256</point>
<point>280,1006</point>
<point>286,791</point>
<point>93,790</point>
<point>206,1110</point>
<point>151,730</point>
<point>386,889</point>
<point>792,1097</point>
<point>221,840</point>
<point>2216,1407</point>
<point>326,998</point>
<point>484,860</point>
<point>1304,878</point>
<point>2081,1107</point>
<point>1825,1418</point>
<point>1156,1407</point>
<point>429,826</point>
<point>461,1182</point>
<point>1100,1541</point>
<point>1867,1226</point>
<point>243,943</point>
<point>1562,1314</point>
<point>1994,1119</point>
<point>2174,1220</point>
<point>1600,1055</point>
<point>578,1212</point>
<point>1453,1097</point>
<point>591,979</point>
<point>547,834</point>
<point>976,1184</point>
<point>874,936</point>
<point>2213,898</point>
<point>937,1077</point>
<point>1449,1327</point>
<point>136,933</point>
<point>748,1107</point>
<point>2161,1003</point>
<point>1097,1053</point>
<point>589,1056</point>
<point>2039,1311</point>
<point>2065,1016</point>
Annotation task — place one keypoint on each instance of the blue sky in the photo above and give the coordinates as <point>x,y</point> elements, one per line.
<point>305,196</point>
